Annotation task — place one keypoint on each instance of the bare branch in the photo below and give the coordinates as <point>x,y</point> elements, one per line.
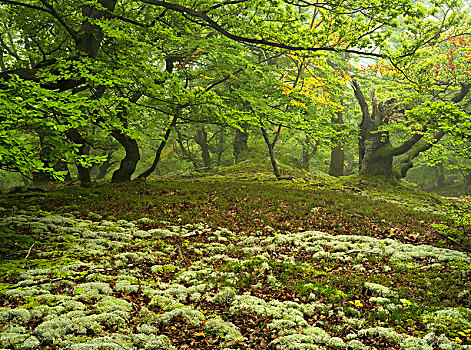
<point>61,20</point>
<point>361,99</point>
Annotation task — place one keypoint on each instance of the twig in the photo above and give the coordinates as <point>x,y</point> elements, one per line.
<point>30,250</point>
<point>180,254</point>
<point>453,241</point>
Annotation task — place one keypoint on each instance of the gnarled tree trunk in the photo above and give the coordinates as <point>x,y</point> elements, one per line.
<point>105,166</point>
<point>47,157</point>
<point>405,163</point>
<point>128,164</point>
<point>201,138</point>
<point>376,153</point>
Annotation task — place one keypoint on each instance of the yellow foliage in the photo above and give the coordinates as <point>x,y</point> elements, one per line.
<point>297,103</point>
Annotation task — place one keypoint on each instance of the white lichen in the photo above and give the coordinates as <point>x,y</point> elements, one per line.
<point>223,329</point>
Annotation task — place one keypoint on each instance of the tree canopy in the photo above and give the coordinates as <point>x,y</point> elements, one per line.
<point>76,74</point>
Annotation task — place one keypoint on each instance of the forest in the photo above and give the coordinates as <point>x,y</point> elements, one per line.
<point>235,174</point>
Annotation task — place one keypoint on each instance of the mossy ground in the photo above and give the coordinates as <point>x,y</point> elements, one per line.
<point>232,262</point>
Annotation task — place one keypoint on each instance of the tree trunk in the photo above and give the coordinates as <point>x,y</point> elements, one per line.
<point>44,177</point>
<point>337,154</point>
<point>105,166</point>
<point>84,173</point>
<point>376,152</point>
<point>441,176</point>
<point>467,182</point>
<point>84,150</point>
<point>130,160</point>
<point>271,150</point>
<point>405,163</point>
<point>46,157</point>
<point>375,156</point>
<point>308,151</point>
<point>240,143</point>
<point>186,153</point>
<point>91,35</point>
<point>201,139</point>
<point>220,148</point>
<point>129,163</point>
<point>349,168</point>
<point>158,153</point>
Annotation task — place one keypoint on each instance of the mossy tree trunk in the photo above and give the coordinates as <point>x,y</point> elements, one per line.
<point>271,149</point>
<point>185,151</point>
<point>376,153</point>
<point>220,145</point>
<point>406,162</point>
<point>128,164</point>
<point>309,149</point>
<point>159,150</point>
<point>47,157</point>
<point>105,166</point>
<point>467,182</point>
<point>240,143</point>
<point>84,150</point>
<point>201,138</point>
<point>337,154</point>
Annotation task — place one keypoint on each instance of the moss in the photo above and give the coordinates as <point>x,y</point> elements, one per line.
<point>53,330</point>
<point>113,342</point>
<point>126,287</point>
<point>15,316</point>
<point>295,342</point>
<point>18,340</point>
<point>356,345</point>
<point>92,290</point>
<point>454,322</point>
<point>221,328</point>
<point>383,332</point>
<point>379,290</point>
<point>270,263</point>
<point>225,296</point>
<point>110,304</point>
<point>152,342</point>
<point>415,344</point>
<point>161,269</point>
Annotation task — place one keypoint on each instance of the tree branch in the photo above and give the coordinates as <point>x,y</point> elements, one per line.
<point>18,3</point>
<point>361,99</point>
<point>61,20</point>
<point>462,93</point>
<point>277,136</point>
<point>208,21</point>
<point>407,145</point>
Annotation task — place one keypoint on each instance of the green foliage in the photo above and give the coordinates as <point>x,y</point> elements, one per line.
<point>458,220</point>
<point>131,72</point>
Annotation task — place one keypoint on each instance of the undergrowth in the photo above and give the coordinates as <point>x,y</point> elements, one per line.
<point>233,263</point>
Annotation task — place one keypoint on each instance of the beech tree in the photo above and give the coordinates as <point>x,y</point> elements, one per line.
<point>66,66</point>
<point>428,98</point>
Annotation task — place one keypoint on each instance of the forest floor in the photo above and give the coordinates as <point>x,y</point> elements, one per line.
<point>225,262</point>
